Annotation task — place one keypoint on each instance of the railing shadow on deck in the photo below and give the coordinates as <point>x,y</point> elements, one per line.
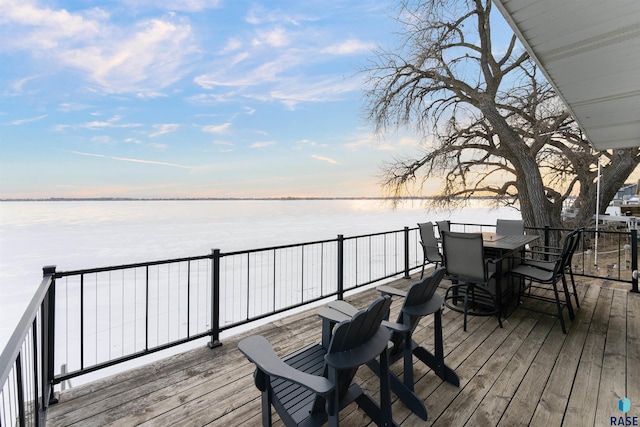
<point>87,320</point>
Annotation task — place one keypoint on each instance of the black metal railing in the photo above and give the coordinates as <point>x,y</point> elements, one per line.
<point>101,317</point>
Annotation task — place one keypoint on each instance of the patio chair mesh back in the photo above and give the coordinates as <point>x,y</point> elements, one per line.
<point>464,256</point>
<point>569,245</point>
<point>429,242</point>
<point>509,227</point>
<point>443,226</point>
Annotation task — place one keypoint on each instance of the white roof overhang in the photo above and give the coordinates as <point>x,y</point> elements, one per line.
<point>589,50</point>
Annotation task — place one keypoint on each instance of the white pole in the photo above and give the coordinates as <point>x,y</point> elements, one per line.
<point>595,256</point>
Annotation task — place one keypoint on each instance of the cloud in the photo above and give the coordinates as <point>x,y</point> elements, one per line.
<point>161,129</point>
<point>177,5</point>
<point>383,143</point>
<point>29,120</point>
<point>325,159</point>
<point>110,123</point>
<point>349,47</point>
<point>328,89</point>
<point>125,159</point>
<point>18,85</point>
<point>141,58</point>
<point>217,129</point>
<point>262,144</point>
<point>232,45</point>
<point>274,38</point>
<point>71,106</point>
<point>259,15</point>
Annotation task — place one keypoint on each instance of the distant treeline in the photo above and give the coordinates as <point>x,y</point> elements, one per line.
<point>133,199</point>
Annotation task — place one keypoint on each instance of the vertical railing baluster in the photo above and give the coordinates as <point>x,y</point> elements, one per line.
<point>188,298</point>
<point>146,309</point>
<point>406,253</point>
<point>322,268</point>
<point>546,241</point>
<point>340,256</point>
<point>215,299</point>
<point>34,366</point>
<point>48,338</point>
<point>634,260</point>
<point>20,390</point>
<point>248,283</point>
<point>82,322</point>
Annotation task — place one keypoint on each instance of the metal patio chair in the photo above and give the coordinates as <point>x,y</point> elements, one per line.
<point>310,386</point>
<point>547,274</point>
<point>465,261</point>
<point>507,227</point>
<point>430,248</point>
<point>444,225</point>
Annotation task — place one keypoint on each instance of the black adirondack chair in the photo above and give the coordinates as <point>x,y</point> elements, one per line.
<point>310,386</point>
<point>420,300</point>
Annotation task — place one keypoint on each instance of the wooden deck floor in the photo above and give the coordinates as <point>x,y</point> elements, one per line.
<point>527,373</point>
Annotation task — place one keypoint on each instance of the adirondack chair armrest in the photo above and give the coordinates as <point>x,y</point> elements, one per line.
<point>343,307</point>
<point>397,327</point>
<point>259,351</point>
<point>389,290</point>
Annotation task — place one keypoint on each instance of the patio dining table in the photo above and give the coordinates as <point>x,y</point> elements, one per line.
<point>503,248</point>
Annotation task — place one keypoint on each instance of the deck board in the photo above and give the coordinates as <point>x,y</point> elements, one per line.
<point>526,373</point>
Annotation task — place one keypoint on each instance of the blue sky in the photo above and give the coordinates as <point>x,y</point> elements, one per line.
<point>190,98</point>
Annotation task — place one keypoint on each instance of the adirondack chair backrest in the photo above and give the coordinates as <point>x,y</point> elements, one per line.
<point>419,293</point>
<point>353,335</point>
<point>361,328</point>
<point>422,291</point>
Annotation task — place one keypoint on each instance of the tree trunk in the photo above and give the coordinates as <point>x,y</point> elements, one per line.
<point>614,175</point>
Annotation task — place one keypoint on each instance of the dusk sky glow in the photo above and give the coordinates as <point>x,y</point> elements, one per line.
<point>191,98</point>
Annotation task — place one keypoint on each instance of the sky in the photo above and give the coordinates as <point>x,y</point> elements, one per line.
<point>191,98</point>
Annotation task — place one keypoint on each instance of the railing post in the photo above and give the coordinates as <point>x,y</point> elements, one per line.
<point>406,253</point>
<point>48,310</point>
<point>634,260</point>
<point>340,242</point>
<point>546,241</point>
<point>215,299</point>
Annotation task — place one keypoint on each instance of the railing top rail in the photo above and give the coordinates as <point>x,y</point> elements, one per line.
<point>60,274</point>
<point>14,345</point>
<point>271,248</point>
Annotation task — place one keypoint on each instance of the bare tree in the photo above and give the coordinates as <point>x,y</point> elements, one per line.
<point>492,125</point>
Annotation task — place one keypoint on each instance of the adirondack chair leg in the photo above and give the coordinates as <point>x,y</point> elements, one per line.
<point>436,361</point>
<point>266,407</point>
<point>402,390</point>
<point>333,401</point>
<point>381,415</point>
